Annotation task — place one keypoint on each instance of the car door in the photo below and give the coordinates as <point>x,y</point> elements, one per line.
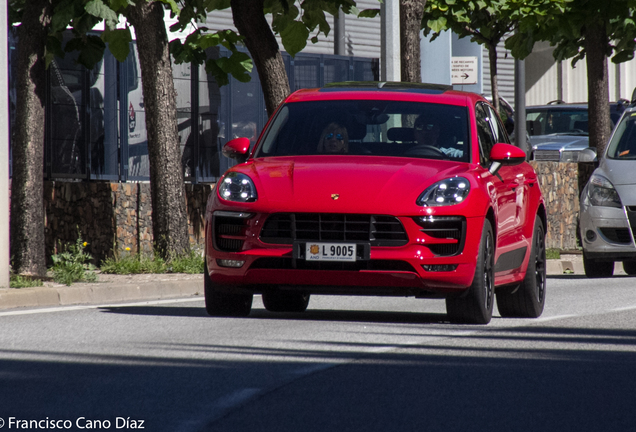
<point>519,179</point>
<point>506,187</point>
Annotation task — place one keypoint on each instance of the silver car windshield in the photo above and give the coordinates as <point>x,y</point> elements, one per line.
<point>369,127</point>
<point>623,143</point>
<point>557,121</point>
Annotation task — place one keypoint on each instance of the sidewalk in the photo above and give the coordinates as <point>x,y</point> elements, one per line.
<point>107,289</point>
<point>147,287</point>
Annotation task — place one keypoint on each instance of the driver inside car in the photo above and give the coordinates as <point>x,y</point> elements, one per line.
<point>427,132</point>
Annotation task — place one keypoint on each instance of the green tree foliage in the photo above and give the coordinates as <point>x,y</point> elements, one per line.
<point>296,22</point>
<point>564,23</point>
<point>594,30</point>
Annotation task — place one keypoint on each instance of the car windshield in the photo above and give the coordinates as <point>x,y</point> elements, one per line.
<point>557,121</point>
<point>368,127</point>
<point>623,143</point>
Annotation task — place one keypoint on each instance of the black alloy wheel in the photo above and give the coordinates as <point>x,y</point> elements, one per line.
<point>475,306</point>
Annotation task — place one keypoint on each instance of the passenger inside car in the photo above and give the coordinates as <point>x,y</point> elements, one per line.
<point>625,148</point>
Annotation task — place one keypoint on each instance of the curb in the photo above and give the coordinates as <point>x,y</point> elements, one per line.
<point>181,286</point>
<point>98,293</point>
<point>560,267</point>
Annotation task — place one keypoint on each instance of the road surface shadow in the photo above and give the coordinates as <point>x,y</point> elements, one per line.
<point>309,315</point>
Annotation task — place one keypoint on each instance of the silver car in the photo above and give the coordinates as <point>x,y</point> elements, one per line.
<point>559,131</point>
<point>608,204</point>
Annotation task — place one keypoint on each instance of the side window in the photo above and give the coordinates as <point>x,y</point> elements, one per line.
<point>499,131</point>
<point>485,134</point>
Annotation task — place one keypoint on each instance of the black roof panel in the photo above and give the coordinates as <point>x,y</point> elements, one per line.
<point>386,86</point>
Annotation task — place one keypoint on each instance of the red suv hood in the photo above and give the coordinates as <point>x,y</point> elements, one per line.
<point>347,184</point>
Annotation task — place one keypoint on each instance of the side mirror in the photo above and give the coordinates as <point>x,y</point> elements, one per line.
<point>238,148</point>
<point>587,155</point>
<point>505,154</point>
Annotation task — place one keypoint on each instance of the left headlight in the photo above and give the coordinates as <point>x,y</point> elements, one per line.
<point>601,192</point>
<point>450,191</point>
<point>237,187</point>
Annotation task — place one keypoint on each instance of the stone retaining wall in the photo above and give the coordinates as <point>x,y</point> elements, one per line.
<point>111,217</point>
<point>117,217</point>
<point>559,184</point>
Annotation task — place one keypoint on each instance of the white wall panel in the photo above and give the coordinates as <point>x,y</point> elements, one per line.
<point>628,79</point>
<point>542,78</point>
<point>505,73</point>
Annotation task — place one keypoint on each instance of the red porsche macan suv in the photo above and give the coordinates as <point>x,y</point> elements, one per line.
<point>388,189</point>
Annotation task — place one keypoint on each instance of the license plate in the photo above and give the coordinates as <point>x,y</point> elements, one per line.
<point>330,252</point>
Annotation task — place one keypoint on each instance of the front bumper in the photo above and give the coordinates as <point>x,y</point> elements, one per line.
<point>607,233</point>
<point>423,265</point>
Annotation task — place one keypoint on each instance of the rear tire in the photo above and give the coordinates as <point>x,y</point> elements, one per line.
<point>275,301</point>
<point>528,300</point>
<point>597,269</point>
<point>219,303</point>
<point>475,307</point>
<point>629,267</point>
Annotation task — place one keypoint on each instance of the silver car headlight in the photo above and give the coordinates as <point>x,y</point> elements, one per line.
<point>601,192</point>
<point>237,187</point>
<point>446,192</point>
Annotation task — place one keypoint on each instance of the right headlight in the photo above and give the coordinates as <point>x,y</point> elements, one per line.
<point>237,187</point>
<point>601,192</point>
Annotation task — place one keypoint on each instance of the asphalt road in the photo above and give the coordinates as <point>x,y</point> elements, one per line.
<point>347,364</point>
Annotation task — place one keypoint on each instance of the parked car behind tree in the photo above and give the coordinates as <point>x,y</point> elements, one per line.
<point>559,131</point>
<point>608,204</point>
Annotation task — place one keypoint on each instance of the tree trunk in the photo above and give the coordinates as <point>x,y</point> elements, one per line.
<point>492,58</point>
<point>250,21</point>
<point>595,44</point>
<point>27,194</point>
<point>411,12</point>
<point>169,217</point>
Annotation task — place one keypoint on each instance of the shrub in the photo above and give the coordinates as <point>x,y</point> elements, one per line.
<point>134,264</point>
<point>73,265</point>
<point>18,281</point>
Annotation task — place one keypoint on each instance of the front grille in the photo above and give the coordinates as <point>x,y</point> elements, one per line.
<point>444,249</point>
<point>547,155</point>
<point>631,218</point>
<point>229,233</point>
<point>449,228</point>
<point>288,264</point>
<point>617,235</point>
<point>285,228</point>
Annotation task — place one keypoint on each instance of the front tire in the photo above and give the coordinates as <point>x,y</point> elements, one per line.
<point>475,307</point>
<point>275,301</point>
<point>528,300</point>
<point>219,303</point>
<point>597,269</point>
